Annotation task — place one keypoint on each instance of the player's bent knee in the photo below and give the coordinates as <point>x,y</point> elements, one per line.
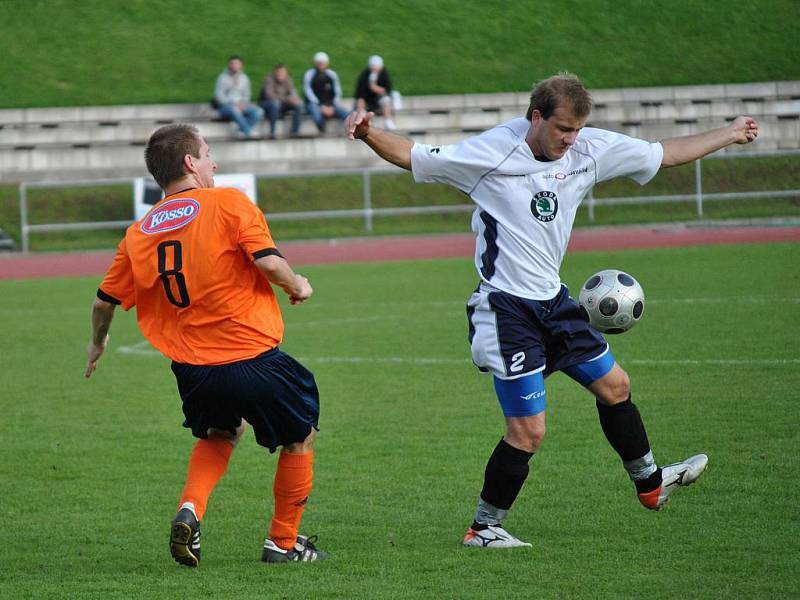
<point>621,386</point>
<point>613,388</point>
<point>526,433</point>
<point>232,436</point>
<point>307,445</point>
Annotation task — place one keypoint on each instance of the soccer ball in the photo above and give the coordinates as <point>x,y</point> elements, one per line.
<point>612,301</point>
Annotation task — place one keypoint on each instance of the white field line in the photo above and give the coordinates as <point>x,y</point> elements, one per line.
<point>412,305</point>
<point>711,361</point>
<point>724,300</point>
<point>459,361</point>
<point>453,308</point>
<point>457,305</point>
<point>396,360</point>
<point>143,348</point>
<point>372,319</point>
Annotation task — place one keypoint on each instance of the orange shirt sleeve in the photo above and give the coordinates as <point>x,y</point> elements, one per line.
<point>251,231</point>
<point>117,286</point>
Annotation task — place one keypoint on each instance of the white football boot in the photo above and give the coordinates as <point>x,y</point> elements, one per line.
<point>672,477</point>
<point>494,536</point>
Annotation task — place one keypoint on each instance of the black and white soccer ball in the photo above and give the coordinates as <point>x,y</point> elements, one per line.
<point>612,301</point>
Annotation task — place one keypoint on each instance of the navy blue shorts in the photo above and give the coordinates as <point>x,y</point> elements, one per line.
<point>272,392</point>
<point>512,337</point>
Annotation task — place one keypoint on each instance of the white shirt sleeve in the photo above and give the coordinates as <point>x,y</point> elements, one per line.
<point>337,87</point>
<point>309,93</point>
<point>461,165</point>
<point>619,155</point>
<point>247,93</point>
<point>222,89</point>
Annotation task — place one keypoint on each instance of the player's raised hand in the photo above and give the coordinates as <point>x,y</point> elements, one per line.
<point>357,124</point>
<point>302,291</point>
<point>94,352</point>
<point>745,129</point>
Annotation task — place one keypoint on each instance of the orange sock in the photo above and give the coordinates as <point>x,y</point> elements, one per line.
<point>207,464</point>
<point>293,481</point>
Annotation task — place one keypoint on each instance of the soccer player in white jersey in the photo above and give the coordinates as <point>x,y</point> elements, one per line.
<point>527,178</point>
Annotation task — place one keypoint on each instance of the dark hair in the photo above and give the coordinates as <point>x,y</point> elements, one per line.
<point>558,90</point>
<point>279,66</point>
<point>234,57</point>
<point>166,149</point>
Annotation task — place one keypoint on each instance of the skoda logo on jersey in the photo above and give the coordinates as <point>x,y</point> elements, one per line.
<point>544,206</point>
<point>170,216</point>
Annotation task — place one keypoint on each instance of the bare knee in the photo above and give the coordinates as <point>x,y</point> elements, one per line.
<point>614,387</point>
<point>525,433</point>
<point>232,437</point>
<point>307,445</point>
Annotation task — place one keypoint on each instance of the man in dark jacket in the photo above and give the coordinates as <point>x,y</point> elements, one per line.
<point>374,91</point>
<point>323,92</point>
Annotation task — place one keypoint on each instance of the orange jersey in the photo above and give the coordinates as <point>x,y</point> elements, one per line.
<point>188,268</point>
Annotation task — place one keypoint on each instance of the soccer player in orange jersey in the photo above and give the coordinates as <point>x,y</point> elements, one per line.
<point>198,269</point>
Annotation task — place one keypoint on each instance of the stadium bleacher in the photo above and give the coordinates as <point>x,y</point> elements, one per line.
<point>107,141</point>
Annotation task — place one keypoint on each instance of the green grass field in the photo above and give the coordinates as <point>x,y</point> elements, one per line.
<point>65,53</point>
<point>92,470</point>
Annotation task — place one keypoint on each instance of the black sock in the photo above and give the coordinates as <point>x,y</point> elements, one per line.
<point>505,473</point>
<point>648,485</point>
<point>624,429</point>
<point>622,424</point>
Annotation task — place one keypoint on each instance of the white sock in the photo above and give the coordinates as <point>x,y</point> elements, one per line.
<point>488,514</point>
<point>190,506</point>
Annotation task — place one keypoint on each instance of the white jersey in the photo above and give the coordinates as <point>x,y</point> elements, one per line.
<point>525,207</point>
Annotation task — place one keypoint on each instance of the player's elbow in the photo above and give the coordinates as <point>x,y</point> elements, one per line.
<point>271,264</point>
<point>102,306</point>
<point>669,159</point>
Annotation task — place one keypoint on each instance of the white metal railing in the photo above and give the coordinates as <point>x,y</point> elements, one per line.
<point>699,195</point>
<point>368,213</point>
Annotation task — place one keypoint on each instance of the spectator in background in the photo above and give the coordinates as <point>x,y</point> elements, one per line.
<point>279,97</point>
<point>374,91</point>
<point>232,97</point>
<point>323,92</point>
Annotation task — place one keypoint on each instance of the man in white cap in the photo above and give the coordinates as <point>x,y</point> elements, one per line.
<point>374,91</point>
<point>323,92</point>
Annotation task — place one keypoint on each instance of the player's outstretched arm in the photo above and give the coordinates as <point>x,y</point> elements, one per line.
<point>681,150</point>
<point>102,315</point>
<point>278,271</point>
<point>390,147</point>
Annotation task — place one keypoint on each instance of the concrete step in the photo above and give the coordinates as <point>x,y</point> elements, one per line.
<point>198,112</point>
<point>69,135</point>
<point>260,156</point>
<point>120,132</point>
<point>94,114</point>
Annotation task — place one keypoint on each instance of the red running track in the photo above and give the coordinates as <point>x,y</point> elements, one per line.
<point>18,266</point>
